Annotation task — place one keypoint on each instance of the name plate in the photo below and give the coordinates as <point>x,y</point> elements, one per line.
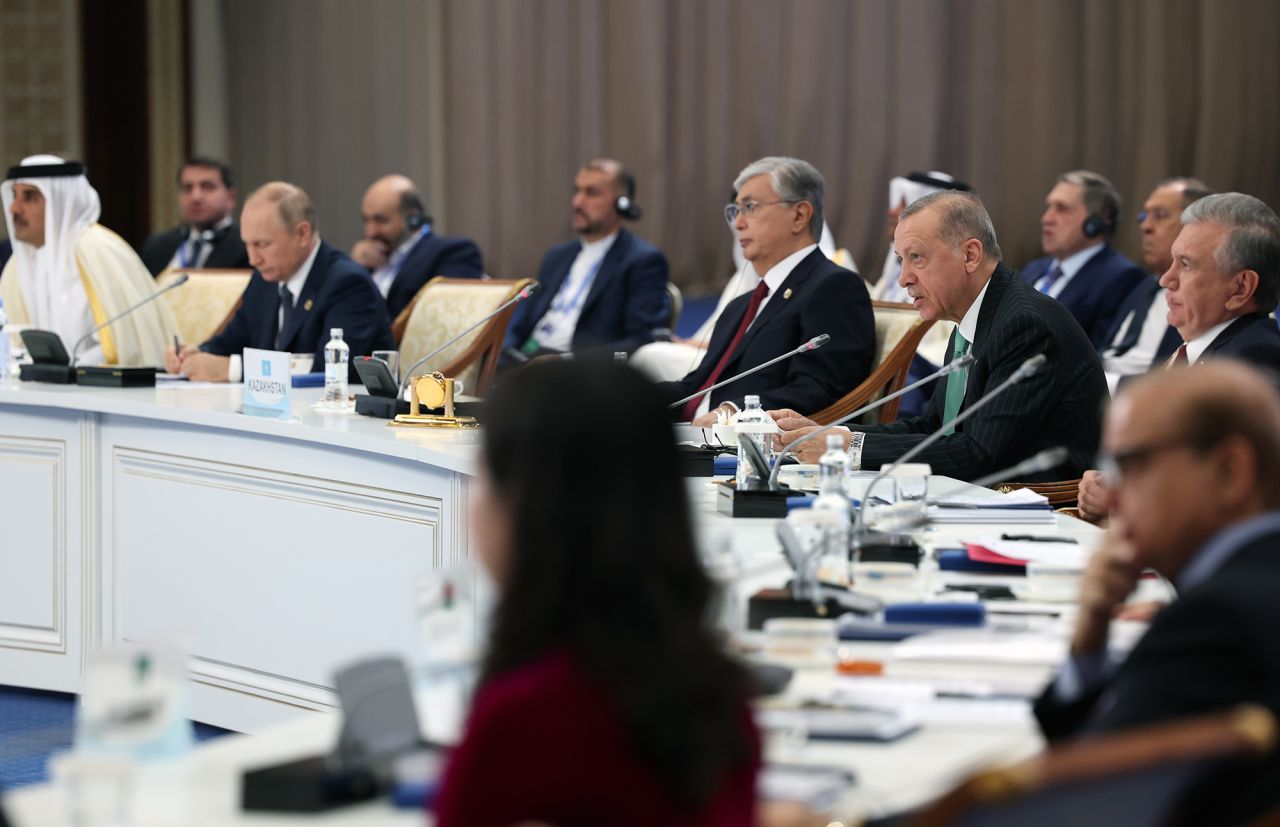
<point>267,384</point>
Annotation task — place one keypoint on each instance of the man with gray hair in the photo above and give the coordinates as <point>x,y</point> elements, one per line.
<point>1221,286</point>
<point>301,288</point>
<point>951,270</point>
<point>799,294</point>
<point>1142,335</point>
<point>1080,268</point>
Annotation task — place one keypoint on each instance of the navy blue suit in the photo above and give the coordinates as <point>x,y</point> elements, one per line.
<point>1253,340</point>
<point>1095,292</point>
<point>626,302</point>
<point>435,255</point>
<point>817,297</point>
<point>1141,298</point>
<point>6,250</point>
<point>338,293</point>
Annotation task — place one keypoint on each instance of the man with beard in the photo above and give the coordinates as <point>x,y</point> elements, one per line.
<point>605,292</point>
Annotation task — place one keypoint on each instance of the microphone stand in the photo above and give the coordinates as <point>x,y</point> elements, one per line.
<point>1028,368</point>
<point>947,369</point>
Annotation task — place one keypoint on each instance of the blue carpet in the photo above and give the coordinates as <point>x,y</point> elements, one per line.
<point>34,725</point>
<point>695,312</point>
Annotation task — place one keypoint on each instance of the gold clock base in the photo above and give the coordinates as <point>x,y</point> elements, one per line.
<point>430,421</point>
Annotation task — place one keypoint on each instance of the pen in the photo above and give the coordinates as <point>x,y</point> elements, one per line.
<point>177,346</point>
<point>1027,538</point>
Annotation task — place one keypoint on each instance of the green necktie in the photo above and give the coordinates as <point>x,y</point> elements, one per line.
<point>955,386</point>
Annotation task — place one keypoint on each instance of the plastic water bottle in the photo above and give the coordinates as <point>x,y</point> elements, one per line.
<point>832,511</point>
<point>336,356</point>
<point>753,423</point>
<point>4,342</point>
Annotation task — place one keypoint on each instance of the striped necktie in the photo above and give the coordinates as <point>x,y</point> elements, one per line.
<point>955,386</point>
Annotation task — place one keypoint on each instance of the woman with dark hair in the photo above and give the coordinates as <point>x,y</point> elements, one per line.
<point>605,696</point>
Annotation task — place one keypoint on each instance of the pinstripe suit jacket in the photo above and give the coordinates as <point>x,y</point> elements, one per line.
<point>1060,405</point>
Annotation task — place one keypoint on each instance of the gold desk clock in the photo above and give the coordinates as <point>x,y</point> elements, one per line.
<point>434,391</point>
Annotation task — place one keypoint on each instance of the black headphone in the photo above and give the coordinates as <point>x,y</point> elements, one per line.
<point>625,203</point>
<point>1095,225</point>
<point>415,212</point>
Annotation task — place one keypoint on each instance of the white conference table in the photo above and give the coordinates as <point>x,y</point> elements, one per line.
<point>282,549</point>
<point>273,551</point>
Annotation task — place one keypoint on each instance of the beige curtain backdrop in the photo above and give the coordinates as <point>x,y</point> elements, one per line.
<point>493,104</point>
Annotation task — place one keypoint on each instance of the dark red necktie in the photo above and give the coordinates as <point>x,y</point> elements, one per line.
<point>1179,359</point>
<point>753,307</point>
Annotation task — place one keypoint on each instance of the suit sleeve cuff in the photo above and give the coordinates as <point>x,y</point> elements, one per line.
<point>1080,675</point>
<point>235,368</point>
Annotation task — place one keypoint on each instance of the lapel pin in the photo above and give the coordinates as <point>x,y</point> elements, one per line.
<point>786,294</point>
<point>306,305</point>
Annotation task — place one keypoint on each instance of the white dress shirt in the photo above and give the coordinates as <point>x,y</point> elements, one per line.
<point>206,247</point>
<point>294,285</point>
<point>777,274</point>
<point>1138,358</point>
<point>1069,267</point>
<point>1197,346</point>
<point>555,329</point>
<point>385,275</point>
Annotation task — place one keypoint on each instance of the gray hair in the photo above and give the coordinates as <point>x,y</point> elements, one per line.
<point>963,216</point>
<point>1193,189</point>
<point>1099,195</point>
<point>293,205</point>
<point>794,181</point>
<point>1252,243</point>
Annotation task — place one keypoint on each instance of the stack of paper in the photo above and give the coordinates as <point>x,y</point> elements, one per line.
<point>1016,661</point>
<point>1020,507</point>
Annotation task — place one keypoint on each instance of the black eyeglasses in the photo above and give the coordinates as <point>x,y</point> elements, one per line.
<point>1115,467</point>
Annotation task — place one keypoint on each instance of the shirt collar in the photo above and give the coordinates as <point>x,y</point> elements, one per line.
<point>779,272</point>
<point>598,248</point>
<point>1197,346</point>
<point>299,279</point>
<point>1223,545</point>
<point>196,232</point>
<point>1072,263</point>
<point>969,324</point>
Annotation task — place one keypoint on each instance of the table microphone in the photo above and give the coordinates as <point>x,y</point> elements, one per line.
<point>75,351</point>
<point>813,344</point>
<point>1046,460</point>
<point>954,365</point>
<point>1027,369</point>
<point>529,290</point>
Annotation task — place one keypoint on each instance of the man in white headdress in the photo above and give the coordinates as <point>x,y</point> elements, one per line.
<point>69,274</point>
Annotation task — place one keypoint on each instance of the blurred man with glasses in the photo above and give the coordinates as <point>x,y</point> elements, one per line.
<point>1193,472</point>
<point>1223,281</point>
<point>798,294</point>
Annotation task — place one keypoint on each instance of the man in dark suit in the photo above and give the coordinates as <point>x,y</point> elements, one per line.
<point>300,290</point>
<point>6,250</point>
<point>207,237</point>
<point>799,293</point>
<point>1223,283</point>
<point>606,292</point>
<point>400,249</point>
<point>1142,336</point>
<point>1079,268</point>
<point>951,269</point>
<point>1194,471</point>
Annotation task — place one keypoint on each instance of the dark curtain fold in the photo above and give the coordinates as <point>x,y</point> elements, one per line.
<point>1005,94</point>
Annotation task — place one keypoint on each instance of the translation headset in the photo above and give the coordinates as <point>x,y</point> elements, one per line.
<point>625,204</point>
<point>415,212</point>
<point>1097,223</point>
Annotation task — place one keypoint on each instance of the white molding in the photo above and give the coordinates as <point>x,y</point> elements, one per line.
<point>51,453</point>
